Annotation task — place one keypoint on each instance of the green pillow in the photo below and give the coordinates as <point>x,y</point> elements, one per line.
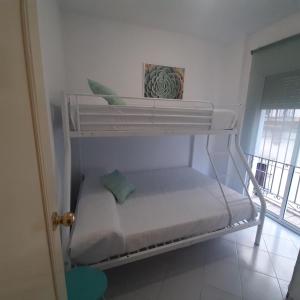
<point>100,89</point>
<point>119,186</point>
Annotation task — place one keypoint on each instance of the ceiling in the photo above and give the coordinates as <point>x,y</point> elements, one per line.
<point>217,20</point>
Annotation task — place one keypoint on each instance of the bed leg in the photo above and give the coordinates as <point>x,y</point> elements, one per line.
<point>258,234</point>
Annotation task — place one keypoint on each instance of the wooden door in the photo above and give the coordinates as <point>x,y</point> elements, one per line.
<point>30,251</point>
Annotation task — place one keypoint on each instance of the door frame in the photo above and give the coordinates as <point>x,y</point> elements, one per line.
<point>42,135</point>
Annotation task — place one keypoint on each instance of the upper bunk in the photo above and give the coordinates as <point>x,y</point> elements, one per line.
<point>91,116</point>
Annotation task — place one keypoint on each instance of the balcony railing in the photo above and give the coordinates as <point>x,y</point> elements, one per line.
<point>280,184</point>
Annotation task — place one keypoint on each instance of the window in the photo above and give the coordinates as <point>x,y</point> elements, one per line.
<point>271,127</point>
<point>276,163</point>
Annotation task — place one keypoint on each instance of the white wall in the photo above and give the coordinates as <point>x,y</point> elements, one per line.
<point>50,27</point>
<point>132,153</point>
<point>113,53</point>
<point>230,80</point>
<point>50,30</point>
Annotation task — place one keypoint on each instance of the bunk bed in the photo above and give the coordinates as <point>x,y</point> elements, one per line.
<point>171,208</point>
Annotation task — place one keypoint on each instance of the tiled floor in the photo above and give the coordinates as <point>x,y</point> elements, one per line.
<point>227,268</point>
<point>291,215</point>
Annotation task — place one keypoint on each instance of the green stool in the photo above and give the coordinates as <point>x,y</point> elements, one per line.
<point>85,283</point>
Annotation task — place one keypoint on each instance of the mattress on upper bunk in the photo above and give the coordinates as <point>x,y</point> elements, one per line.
<point>168,204</point>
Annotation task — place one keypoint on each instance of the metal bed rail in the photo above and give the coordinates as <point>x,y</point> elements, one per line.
<point>240,176</point>
<point>218,180</point>
<point>150,101</point>
<point>91,116</point>
<point>172,245</point>
<point>257,188</point>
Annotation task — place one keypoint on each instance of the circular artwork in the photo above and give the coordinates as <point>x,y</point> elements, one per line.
<point>163,82</point>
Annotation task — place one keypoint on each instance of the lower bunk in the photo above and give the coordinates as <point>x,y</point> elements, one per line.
<point>171,208</point>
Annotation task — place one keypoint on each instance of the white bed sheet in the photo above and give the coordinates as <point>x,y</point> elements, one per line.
<point>97,233</point>
<point>168,204</point>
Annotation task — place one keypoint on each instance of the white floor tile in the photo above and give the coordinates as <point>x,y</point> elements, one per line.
<point>246,237</point>
<point>211,293</point>
<point>116,282</point>
<point>187,285</point>
<point>296,240</point>
<point>284,267</point>
<point>128,278</point>
<point>280,246</point>
<point>114,291</point>
<point>224,276</point>
<point>230,268</point>
<point>275,229</point>
<point>146,292</point>
<point>220,250</point>
<point>284,286</point>
<point>186,259</point>
<point>230,237</point>
<point>147,270</point>
<point>257,286</point>
<point>256,260</point>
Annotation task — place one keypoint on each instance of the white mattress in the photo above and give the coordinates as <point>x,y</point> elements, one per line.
<point>168,204</point>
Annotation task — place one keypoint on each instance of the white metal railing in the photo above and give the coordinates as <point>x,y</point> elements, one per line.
<point>143,101</point>
<point>273,179</point>
<point>262,200</point>
<point>90,115</point>
<point>219,181</point>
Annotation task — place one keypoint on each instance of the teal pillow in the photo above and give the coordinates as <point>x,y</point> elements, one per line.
<point>100,89</point>
<point>119,186</point>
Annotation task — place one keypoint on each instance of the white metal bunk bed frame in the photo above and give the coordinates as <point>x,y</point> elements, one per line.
<point>185,241</point>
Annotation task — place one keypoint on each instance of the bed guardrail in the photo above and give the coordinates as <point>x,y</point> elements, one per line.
<point>90,115</point>
<point>148,102</point>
